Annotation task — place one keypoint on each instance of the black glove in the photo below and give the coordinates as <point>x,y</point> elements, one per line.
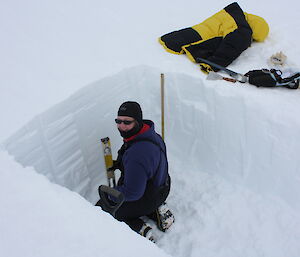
<point>116,166</point>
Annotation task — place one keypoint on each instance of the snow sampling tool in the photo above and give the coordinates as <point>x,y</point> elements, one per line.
<point>107,193</point>
<point>237,76</point>
<point>215,76</point>
<point>110,174</point>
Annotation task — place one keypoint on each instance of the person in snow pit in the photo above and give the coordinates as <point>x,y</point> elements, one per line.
<point>220,39</point>
<point>144,181</point>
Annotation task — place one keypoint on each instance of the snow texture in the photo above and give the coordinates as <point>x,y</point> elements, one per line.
<point>233,148</point>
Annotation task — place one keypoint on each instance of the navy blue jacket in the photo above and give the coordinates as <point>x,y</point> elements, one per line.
<point>142,161</point>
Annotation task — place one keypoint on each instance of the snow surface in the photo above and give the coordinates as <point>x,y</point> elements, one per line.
<point>233,149</point>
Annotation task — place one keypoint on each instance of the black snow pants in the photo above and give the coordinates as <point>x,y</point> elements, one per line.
<point>131,211</point>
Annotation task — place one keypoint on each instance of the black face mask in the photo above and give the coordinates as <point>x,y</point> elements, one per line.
<point>130,133</point>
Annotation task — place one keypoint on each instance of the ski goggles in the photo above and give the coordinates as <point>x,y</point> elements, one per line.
<point>126,122</point>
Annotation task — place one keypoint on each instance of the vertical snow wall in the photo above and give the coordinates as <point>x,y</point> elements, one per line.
<point>245,134</point>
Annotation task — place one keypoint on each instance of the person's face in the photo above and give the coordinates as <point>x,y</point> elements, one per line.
<point>125,127</point>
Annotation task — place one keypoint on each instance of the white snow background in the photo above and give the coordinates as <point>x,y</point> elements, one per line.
<point>65,68</point>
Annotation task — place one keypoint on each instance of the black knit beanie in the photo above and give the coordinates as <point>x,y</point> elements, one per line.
<point>131,109</point>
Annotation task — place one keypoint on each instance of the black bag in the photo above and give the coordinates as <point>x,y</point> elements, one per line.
<point>261,78</point>
<point>272,78</point>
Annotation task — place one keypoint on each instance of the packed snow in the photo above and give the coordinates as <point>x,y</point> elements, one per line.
<point>233,148</point>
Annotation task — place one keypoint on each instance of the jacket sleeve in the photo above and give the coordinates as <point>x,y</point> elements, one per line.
<point>232,45</point>
<point>235,42</point>
<point>224,50</point>
<point>174,41</point>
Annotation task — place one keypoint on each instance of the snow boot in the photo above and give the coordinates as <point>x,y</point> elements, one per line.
<point>165,217</point>
<point>146,231</point>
